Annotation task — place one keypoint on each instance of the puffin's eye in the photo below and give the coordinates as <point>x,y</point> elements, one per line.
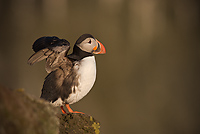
<point>89,42</point>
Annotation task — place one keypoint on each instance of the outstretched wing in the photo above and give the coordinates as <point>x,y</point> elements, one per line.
<point>53,49</point>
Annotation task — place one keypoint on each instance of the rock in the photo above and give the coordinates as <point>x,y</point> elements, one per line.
<point>78,124</point>
<point>23,114</point>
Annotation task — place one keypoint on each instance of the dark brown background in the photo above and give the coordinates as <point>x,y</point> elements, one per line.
<point>149,80</point>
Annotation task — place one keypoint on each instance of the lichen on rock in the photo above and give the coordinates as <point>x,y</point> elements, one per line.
<point>78,124</point>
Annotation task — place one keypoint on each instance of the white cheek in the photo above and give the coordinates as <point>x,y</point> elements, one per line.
<point>88,47</point>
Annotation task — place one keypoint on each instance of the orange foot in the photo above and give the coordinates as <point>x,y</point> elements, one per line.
<point>63,110</point>
<point>69,109</point>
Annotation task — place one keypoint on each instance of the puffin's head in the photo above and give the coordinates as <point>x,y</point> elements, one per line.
<point>88,43</point>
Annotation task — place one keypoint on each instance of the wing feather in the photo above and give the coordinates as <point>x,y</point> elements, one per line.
<point>39,56</point>
<point>53,49</point>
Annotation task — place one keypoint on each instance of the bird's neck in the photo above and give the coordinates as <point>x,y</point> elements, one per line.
<point>78,54</point>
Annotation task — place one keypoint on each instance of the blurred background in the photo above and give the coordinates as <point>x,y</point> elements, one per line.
<point>149,79</point>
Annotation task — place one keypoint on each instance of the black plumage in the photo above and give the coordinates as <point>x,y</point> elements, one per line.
<point>83,37</point>
<point>59,82</point>
<point>49,42</point>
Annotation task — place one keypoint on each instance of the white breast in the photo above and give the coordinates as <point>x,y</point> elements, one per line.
<point>86,70</point>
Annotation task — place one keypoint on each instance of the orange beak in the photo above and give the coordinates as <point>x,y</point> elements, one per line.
<point>100,49</point>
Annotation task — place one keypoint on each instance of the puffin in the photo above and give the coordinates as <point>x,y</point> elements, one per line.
<point>70,76</point>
